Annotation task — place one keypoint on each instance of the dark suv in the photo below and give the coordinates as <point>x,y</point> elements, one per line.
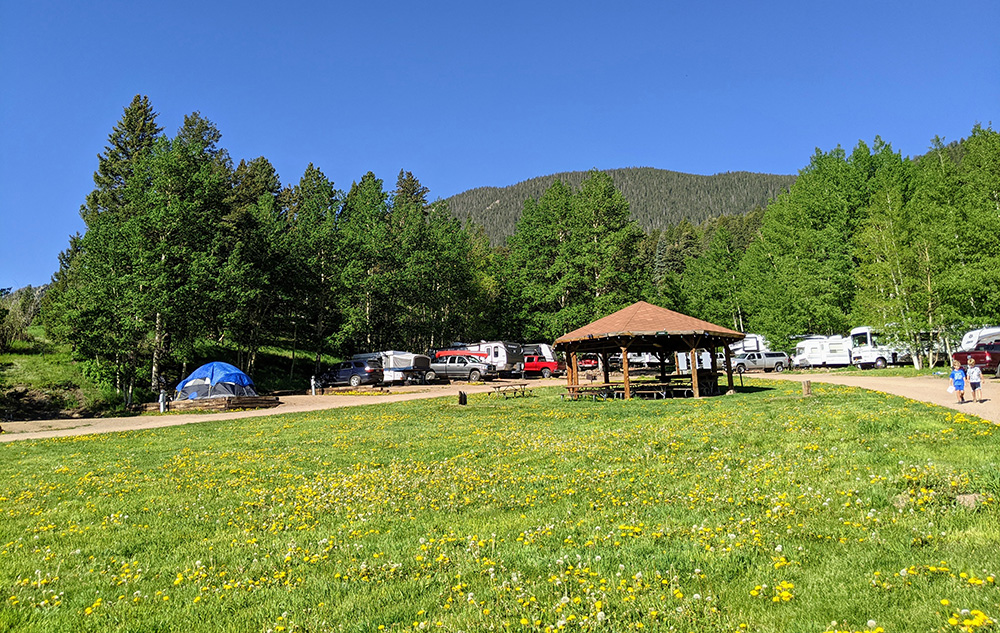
<point>353,373</point>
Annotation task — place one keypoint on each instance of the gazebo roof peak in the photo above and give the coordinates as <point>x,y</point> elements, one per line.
<point>645,319</point>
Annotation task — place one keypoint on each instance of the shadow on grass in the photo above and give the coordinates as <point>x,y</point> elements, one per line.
<point>752,388</point>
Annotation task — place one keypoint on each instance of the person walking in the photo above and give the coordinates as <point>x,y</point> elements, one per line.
<point>975,377</point>
<point>958,381</point>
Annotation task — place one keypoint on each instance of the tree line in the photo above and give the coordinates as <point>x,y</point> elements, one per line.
<point>657,198</point>
<point>182,246</point>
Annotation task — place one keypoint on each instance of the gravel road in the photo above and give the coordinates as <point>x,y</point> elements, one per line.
<point>931,389</point>
<point>40,429</point>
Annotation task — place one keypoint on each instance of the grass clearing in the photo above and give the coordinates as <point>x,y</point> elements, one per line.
<point>765,511</point>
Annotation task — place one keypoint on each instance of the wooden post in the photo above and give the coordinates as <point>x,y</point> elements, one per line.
<point>662,356</point>
<point>807,388</point>
<point>628,392</point>
<point>677,363</point>
<point>729,369</point>
<point>694,372</point>
<point>715,372</point>
<point>605,367</point>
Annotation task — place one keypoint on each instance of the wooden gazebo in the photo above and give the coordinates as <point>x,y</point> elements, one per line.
<point>645,328</point>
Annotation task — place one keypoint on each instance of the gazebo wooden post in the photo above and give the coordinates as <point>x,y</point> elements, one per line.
<point>715,371</point>
<point>662,356</point>
<point>729,370</point>
<point>573,373</point>
<point>606,367</point>
<point>677,363</point>
<point>694,372</point>
<point>628,391</point>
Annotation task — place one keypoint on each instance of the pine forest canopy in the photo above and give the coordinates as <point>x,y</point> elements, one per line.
<point>183,247</point>
<point>657,198</point>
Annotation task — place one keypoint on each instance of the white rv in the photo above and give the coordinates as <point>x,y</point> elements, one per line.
<point>867,350</point>
<point>752,343</point>
<point>975,337</point>
<point>704,358</point>
<point>506,356</point>
<point>822,351</point>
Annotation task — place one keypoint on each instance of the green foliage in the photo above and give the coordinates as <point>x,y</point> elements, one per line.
<point>182,250</point>
<point>575,256</point>
<point>658,199</point>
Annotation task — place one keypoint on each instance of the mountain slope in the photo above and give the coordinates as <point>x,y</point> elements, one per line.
<point>657,198</point>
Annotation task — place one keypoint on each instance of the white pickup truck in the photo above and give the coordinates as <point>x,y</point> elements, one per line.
<point>765,361</point>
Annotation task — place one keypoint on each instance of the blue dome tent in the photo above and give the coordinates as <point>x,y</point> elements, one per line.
<point>215,380</point>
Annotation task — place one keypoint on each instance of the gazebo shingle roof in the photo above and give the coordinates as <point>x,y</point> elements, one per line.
<point>645,319</point>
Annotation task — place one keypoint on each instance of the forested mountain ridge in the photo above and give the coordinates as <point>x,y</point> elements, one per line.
<point>657,198</point>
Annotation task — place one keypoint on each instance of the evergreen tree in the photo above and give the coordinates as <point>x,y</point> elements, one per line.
<point>316,261</point>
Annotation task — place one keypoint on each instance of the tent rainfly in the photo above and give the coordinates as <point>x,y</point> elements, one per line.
<point>643,327</point>
<point>215,380</point>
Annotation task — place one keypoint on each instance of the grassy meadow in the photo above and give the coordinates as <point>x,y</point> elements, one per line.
<point>765,511</point>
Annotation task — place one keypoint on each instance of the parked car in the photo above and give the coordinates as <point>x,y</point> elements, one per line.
<point>765,361</point>
<point>587,361</point>
<point>353,373</point>
<point>986,355</point>
<point>538,365</point>
<point>462,368</point>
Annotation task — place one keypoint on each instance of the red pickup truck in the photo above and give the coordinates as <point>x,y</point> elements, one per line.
<point>538,365</point>
<point>986,355</point>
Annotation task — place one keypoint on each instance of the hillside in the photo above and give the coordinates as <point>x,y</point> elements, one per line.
<point>657,198</point>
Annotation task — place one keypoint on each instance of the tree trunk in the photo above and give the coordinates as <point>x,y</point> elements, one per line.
<point>154,379</point>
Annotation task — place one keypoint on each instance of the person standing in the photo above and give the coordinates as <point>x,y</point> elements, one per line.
<point>958,380</point>
<point>975,377</point>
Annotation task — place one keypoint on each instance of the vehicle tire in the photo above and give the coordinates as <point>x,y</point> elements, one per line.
<point>474,375</point>
<point>546,372</point>
<point>740,369</point>
<point>430,376</point>
<point>355,380</point>
<point>880,363</point>
<point>779,367</point>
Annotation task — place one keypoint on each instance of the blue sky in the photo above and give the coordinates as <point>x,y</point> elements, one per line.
<point>467,94</point>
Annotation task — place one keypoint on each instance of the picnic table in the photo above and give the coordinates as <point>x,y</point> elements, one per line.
<point>518,390</point>
<point>671,387</point>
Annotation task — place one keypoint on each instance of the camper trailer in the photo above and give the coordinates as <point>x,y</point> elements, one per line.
<point>539,349</point>
<point>506,356</point>
<point>399,366</point>
<point>704,361</point>
<point>984,335</point>
<point>822,351</point>
<point>752,343</point>
<point>869,350</point>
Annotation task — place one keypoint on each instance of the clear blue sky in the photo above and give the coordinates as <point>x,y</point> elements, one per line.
<point>467,94</point>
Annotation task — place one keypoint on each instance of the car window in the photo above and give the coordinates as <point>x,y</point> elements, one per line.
<point>462,360</point>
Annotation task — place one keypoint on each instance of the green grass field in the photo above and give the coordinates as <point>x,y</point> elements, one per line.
<point>764,511</point>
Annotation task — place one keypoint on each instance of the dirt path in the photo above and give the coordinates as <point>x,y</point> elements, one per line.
<point>40,429</point>
<point>933,389</point>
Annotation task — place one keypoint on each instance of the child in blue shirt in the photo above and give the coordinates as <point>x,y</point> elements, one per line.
<point>958,380</point>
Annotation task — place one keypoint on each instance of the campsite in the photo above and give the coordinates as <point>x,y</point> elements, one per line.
<point>500,317</point>
<point>766,511</point>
